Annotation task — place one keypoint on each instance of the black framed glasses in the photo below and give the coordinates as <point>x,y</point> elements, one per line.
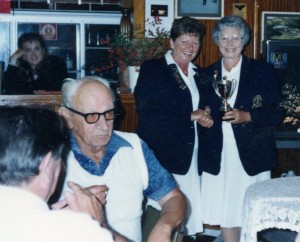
<point>92,118</point>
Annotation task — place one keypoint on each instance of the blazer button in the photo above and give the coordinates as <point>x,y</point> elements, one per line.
<point>242,106</point>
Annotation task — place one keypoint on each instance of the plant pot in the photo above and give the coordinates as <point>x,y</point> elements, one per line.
<point>133,73</point>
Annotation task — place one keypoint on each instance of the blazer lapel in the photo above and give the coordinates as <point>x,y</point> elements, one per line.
<point>245,79</point>
<point>177,76</point>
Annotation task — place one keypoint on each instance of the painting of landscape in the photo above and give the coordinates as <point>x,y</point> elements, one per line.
<point>281,26</point>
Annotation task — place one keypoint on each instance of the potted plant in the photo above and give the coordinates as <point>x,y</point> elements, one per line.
<point>132,53</point>
<point>291,103</point>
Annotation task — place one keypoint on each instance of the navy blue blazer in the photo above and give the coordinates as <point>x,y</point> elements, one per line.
<point>259,94</point>
<point>164,107</point>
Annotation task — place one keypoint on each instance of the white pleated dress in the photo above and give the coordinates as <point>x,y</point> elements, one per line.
<point>190,183</point>
<point>222,195</point>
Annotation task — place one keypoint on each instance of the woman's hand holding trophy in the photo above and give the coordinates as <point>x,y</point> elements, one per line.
<point>224,89</point>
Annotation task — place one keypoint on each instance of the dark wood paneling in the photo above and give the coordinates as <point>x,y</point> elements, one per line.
<point>130,118</point>
<point>139,17</point>
<point>210,52</point>
<point>288,159</point>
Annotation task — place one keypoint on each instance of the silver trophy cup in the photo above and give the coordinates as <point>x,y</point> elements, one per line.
<point>224,89</point>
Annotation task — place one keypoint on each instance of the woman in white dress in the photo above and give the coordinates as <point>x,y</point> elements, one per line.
<point>239,149</point>
<point>167,99</point>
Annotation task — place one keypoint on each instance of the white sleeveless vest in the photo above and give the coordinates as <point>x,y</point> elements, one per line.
<point>126,177</point>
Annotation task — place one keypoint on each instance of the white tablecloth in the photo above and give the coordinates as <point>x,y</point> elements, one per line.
<point>273,203</point>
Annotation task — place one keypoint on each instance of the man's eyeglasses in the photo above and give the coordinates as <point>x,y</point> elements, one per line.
<point>92,118</point>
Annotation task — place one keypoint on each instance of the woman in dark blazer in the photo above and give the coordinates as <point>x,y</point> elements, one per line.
<point>239,149</point>
<point>167,100</point>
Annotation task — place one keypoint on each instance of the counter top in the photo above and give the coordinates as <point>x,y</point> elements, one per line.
<point>287,137</point>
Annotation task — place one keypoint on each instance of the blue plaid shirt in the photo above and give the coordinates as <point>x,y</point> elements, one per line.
<point>160,181</point>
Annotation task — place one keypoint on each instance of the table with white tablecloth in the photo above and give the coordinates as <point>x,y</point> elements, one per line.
<point>273,203</point>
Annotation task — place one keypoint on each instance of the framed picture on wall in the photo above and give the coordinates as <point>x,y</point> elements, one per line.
<point>158,14</point>
<point>201,9</point>
<point>280,26</point>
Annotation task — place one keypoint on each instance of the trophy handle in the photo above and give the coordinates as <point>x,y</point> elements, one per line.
<point>215,86</point>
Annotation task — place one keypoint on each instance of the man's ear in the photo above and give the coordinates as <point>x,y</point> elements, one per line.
<point>45,163</point>
<point>65,113</point>
<point>47,175</point>
<point>43,177</point>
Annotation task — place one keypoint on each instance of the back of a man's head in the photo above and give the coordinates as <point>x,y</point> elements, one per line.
<point>26,136</point>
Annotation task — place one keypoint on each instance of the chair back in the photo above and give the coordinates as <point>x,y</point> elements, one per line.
<point>149,219</point>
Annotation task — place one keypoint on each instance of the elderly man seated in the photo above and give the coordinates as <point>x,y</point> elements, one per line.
<point>32,145</point>
<point>119,162</point>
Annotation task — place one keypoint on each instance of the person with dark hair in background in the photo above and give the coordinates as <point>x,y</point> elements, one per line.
<point>239,149</point>
<point>30,68</point>
<point>167,97</point>
<point>33,144</point>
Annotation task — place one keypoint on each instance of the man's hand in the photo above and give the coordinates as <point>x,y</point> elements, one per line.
<point>100,191</point>
<point>83,200</point>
